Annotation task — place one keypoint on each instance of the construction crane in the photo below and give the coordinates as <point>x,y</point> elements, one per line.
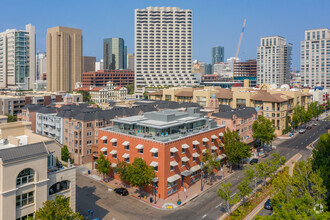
<point>238,46</point>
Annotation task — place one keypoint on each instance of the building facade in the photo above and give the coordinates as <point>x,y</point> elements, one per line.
<point>273,61</point>
<point>130,61</point>
<point>315,58</point>
<point>64,54</point>
<point>41,65</point>
<point>170,141</point>
<point>114,54</point>
<point>218,54</point>
<point>163,47</point>
<point>101,77</point>
<point>88,64</point>
<point>18,58</point>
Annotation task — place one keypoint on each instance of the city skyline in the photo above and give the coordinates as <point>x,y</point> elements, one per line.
<point>291,23</point>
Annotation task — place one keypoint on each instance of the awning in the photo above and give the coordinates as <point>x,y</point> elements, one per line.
<point>139,146</point>
<point>113,152</point>
<point>154,150</point>
<point>154,164</point>
<point>195,168</point>
<point>214,148</point>
<point>185,146</point>
<point>222,156</point>
<point>104,138</point>
<point>155,179</point>
<point>185,159</point>
<point>174,163</point>
<point>195,143</point>
<point>126,143</point>
<point>126,156</point>
<point>214,137</point>
<point>174,149</point>
<point>104,149</point>
<point>205,140</point>
<point>173,178</point>
<point>220,134</point>
<point>185,173</point>
<point>113,165</point>
<point>113,140</point>
<point>204,150</point>
<point>195,155</point>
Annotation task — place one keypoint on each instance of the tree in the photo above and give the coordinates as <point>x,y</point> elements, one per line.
<point>130,89</point>
<point>103,165</point>
<point>145,95</point>
<point>11,118</point>
<point>86,95</point>
<point>234,148</point>
<point>65,154</point>
<point>224,193</point>
<point>300,115</point>
<point>244,189</point>
<point>263,130</point>
<point>315,109</point>
<point>59,208</point>
<point>121,169</point>
<point>138,173</point>
<point>251,174</point>
<point>210,163</point>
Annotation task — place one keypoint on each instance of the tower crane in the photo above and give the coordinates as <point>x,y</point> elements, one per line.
<point>238,46</point>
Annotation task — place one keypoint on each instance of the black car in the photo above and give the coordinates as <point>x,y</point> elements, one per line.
<point>121,191</point>
<point>254,161</point>
<point>268,205</point>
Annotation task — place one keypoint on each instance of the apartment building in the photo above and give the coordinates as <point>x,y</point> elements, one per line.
<point>101,77</point>
<point>273,61</point>
<point>315,58</point>
<point>28,114</point>
<point>171,141</point>
<point>163,47</point>
<point>18,58</point>
<point>32,176</point>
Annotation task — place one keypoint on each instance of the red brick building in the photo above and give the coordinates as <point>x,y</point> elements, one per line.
<point>246,69</point>
<point>170,141</point>
<point>101,77</point>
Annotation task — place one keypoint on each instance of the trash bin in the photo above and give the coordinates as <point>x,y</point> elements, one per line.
<point>151,200</point>
<point>89,172</point>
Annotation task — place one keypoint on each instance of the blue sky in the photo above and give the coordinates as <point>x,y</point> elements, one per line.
<point>215,22</point>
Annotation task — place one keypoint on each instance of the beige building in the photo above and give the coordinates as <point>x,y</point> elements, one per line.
<point>64,58</point>
<point>29,174</point>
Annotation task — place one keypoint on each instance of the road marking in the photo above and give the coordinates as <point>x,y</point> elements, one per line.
<point>233,195</point>
<point>204,216</point>
<point>218,205</point>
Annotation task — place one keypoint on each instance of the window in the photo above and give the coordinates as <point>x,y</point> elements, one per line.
<point>172,154</point>
<point>89,134</point>
<point>183,150</point>
<point>114,144</point>
<point>25,199</point>
<point>127,160</point>
<point>114,156</point>
<point>155,155</point>
<point>204,144</point>
<point>213,140</point>
<point>25,176</point>
<point>194,146</point>
<point>26,217</point>
<point>156,169</point>
<point>183,163</point>
<point>171,184</point>
<point>171,168</point>
<point>89,125</point>
<point>105,141</point>
<point>89,142</point>
<point>59,186</point>
<point>194,159</point>
<point>223,122</point>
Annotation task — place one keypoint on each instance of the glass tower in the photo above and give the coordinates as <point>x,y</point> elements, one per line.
<point>218,54</point>
<point>114,54</point>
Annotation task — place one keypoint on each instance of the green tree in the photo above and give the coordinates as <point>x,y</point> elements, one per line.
<point>86,95</point>
<point>224,193</point>
<point>235,149</point>
<point>315,109</point>
<point>130,89</point>
<point>65,154</point>
<point>59,208</point>
<point>251,174</point>
<point>300,115</point>
<point>145,95</point>
<point>138,173</point>
<point>11,118</point>
<point>103,165</point>
<point>210,163</point>
<point>121,169</point>
<point>263,130</point>
<point>244,189</point>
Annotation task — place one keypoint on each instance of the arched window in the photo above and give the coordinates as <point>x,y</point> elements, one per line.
<point>25,176</point>
<point>59,186</point>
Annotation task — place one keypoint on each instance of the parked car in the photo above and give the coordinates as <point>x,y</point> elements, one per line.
<point>121,191</point>
<point>254,161</point>
<point>315,123</point>
<point>309,127</point>
<point>302,130</point>
<point>268,205</point>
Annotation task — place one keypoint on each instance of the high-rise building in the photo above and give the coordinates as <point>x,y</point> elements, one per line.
<point>273,61</point>
<point>41,65</point>
<point>88,64</point>
<point>315,58</point>
<point>99,65</point>
<point>208,69</point>
<point>218,54</point>
<point>130,61</point>
<point>18,58</point>
<point>114,54</point>
<point>64,58</point>
<point>163,47</point>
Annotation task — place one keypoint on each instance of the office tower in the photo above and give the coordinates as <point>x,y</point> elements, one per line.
<point>99,65</point>
<point>114,54</point>
<point>64,58</point>
<point>41,65</point>
<point>273,61</point>
<point>315,58</point>
<point>18,58</point>
<point>130,61</point>
<point>218,54</point>
<point>163,47</point>
<point>88,64</point>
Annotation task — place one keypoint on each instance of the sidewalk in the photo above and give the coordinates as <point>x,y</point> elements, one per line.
<point>169,203</point>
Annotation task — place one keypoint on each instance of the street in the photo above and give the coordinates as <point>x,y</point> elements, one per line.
<point>108,205</point>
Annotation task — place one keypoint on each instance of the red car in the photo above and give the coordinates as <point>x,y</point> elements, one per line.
<point>309,127</point>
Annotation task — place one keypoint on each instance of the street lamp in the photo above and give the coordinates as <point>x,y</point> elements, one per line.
<point>202,176</point>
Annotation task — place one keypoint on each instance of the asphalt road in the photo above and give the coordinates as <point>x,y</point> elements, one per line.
<point>107,205</point>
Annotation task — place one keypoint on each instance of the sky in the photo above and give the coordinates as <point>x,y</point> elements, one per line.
<point>215,22</point>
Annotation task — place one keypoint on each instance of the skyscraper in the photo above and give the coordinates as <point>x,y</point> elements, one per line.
<point>130,61</point>
<point>218,54</point>
<point>18,58</point>
<point>114,54</point>
<point>163,47</point>
<point>41,65</point>
<point>88,64</point>
<point>64,58</point>
<point>315,58</point>
<point>273,61</point>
